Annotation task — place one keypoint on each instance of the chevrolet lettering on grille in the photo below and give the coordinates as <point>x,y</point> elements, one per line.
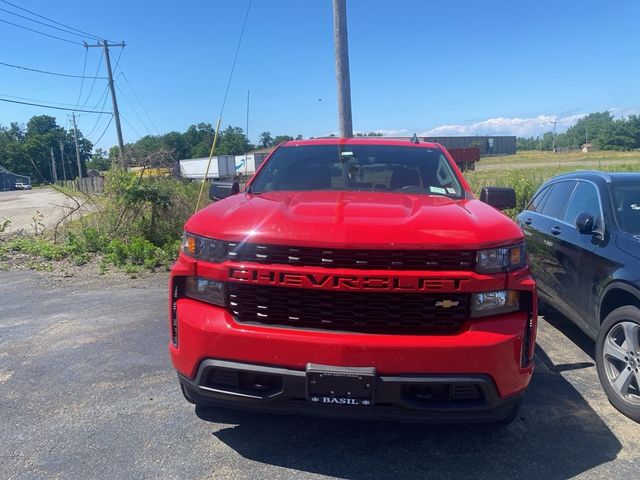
<point>328,281</point>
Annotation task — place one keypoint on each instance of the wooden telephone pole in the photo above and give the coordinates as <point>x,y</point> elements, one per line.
<point>116,113</point>
<point>342,67</point>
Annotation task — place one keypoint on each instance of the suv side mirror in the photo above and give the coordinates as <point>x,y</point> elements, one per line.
<point>220,190</point>
<point>497,197</point>
<point>585,223</point>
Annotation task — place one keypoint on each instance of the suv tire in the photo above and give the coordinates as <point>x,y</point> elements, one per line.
<point>618,360</point>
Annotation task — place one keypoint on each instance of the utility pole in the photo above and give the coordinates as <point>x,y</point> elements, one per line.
<point>64,171</point>
<point>553,139</point>
<point>342,67</point>
<point>75,140</point>
<point>116,113</point>
<point>53,167</point>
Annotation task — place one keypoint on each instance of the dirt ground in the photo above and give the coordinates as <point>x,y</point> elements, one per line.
<point>26,207</point>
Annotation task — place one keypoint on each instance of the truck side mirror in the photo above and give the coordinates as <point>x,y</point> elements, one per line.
<point>585,223</point>
<point>220,190</point>
<point>498,197</point>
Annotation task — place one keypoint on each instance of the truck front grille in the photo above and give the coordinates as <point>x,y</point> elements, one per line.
<point>389,313</point>
<point>360,259</point>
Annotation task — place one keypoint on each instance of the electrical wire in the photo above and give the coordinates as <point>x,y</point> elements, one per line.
<point>41,33</point>
<point>84,68</point>
<point>130,126</point>
<point>51,20</point>
<point>235,58</point>
<point>49,73</point>
<point>135,112</point>
<point>51,106</point>
<point>139,101</point>
<point>95,125</point>
<point>104,131</point>
<point>36,100</point>
<point>42,23</point>
<point>86,100</point>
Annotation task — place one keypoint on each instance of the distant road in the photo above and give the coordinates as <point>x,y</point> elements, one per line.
<point>21,206</point>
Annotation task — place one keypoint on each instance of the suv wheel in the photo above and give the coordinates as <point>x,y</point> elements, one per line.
<point>618,359</point>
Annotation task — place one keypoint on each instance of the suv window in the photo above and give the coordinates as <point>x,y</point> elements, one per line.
<point>585,199</point>
<point>383,168</point>
<point>538,201</point>
<point>557,198</point>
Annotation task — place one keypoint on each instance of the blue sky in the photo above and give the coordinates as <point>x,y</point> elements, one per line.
<point>450,67</point>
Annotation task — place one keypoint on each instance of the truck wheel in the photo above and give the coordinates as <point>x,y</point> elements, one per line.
<point>618,360</point>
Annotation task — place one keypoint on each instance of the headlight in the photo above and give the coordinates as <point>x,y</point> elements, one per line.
<point>503,259</point>
<point>494,303</point>
<point>207,290</point>
<point>204,248</point>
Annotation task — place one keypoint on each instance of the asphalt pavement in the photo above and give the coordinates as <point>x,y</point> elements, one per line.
<point>87,391</point>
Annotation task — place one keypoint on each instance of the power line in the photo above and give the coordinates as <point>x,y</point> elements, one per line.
<point>50,20</point>
<point>235,58</point>
<point>104,131</point>
<point>84,69</point>
<point>49,73</point>
<point>41,23</point>
<point>94,80</point>
<point>135,112</point>
<point>139,101</point>
<point>41,33</point>
<point>95,125</point>
<point>36,100</point>
<point>51,106</point>
<point>131,127</point>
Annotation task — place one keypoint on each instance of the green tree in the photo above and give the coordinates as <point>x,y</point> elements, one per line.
<point>266,140</point>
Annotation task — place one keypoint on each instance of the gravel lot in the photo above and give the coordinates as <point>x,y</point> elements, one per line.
<point>21,206</point>
<point>87,391</point>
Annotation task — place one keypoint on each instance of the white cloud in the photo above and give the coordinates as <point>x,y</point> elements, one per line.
<point>521,127</point>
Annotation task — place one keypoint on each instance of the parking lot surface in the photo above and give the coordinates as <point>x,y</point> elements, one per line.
<point>87,391</point>
<point>24,207</point>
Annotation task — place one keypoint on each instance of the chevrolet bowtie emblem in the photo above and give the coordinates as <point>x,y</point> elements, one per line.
<point>446,304</point>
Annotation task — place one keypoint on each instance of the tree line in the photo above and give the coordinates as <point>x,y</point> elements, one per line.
<point>599,129</point>
<point>26,150</point>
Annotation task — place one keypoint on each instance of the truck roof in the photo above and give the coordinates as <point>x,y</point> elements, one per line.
<point>359,141</point>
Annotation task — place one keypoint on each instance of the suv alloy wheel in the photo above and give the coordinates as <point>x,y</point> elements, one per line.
<point>618,359</point>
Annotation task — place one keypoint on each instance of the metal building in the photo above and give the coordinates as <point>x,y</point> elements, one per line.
<point>488,144</point>
<point>8,179</point>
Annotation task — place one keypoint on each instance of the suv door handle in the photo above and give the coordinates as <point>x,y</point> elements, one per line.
<point>556,230</point>
<point>528,221</point>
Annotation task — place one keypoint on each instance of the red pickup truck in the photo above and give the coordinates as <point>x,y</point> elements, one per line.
<point>355,278</point>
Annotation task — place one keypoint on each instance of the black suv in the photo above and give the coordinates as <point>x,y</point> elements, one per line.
<point>583,238</point>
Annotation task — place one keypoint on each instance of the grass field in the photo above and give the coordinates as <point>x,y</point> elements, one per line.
<point>526,171</point>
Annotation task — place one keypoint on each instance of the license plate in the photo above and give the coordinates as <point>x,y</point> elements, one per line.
<point>328,385</point>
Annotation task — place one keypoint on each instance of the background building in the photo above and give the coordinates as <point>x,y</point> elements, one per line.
<point>8,180</point>
<point>488,144</point>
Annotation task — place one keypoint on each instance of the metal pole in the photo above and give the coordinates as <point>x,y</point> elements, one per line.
<point>75,140</point>
<point>53,167</point>
<point>116,112</point>
<point>64,171</point>
<point>342,67</point>
<point>245,153</point>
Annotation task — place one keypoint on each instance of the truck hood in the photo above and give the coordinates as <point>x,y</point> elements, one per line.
<point>341,219</point>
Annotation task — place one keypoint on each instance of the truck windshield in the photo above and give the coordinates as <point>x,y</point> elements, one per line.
<point>626,197</point>
<point>382,168</point>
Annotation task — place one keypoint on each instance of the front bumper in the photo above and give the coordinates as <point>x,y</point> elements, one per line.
<point>411,398</point>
